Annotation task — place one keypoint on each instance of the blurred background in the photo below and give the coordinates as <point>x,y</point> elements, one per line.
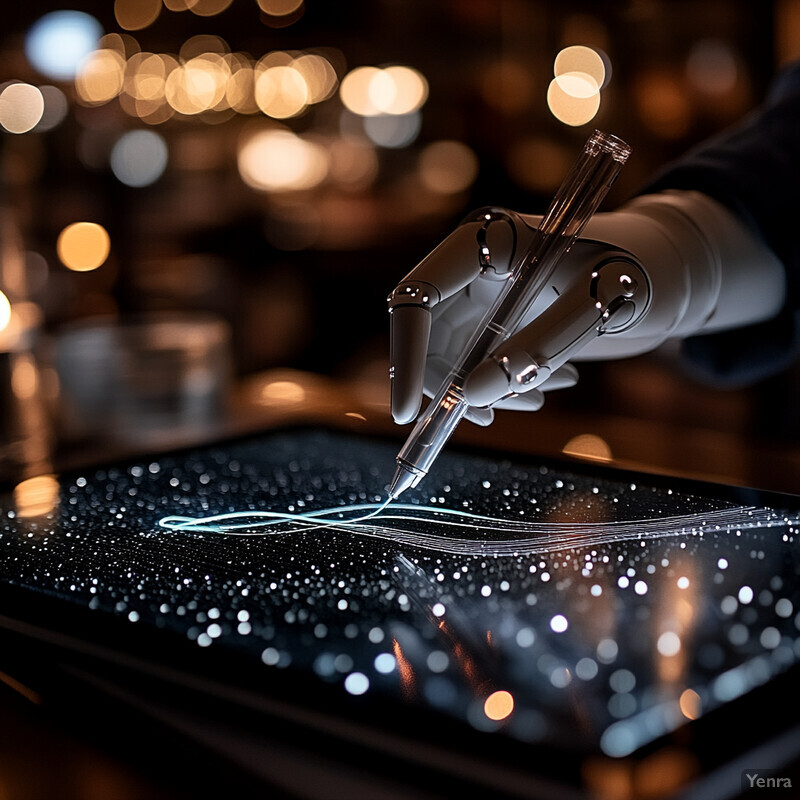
<point>204,203</point>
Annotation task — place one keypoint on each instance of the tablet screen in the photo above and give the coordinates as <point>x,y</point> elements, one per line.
<point>587,609</point>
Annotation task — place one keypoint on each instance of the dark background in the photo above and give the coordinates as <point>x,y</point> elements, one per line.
<point>301,278</point>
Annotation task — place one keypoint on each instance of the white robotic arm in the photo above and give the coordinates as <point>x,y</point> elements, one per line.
<point>707,269</point>
<point>667,265</point>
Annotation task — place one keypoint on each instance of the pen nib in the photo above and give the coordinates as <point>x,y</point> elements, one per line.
<point>403,479</point>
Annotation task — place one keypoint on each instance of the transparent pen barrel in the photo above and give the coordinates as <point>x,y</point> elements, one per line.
<point>572,207</point>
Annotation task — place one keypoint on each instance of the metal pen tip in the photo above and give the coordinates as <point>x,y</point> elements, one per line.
<point>404,478</point>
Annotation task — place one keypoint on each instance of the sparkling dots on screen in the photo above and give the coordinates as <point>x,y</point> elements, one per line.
<point>544,585</point>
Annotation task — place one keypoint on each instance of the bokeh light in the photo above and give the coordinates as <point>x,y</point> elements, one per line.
<point>100,77</point>
<point>281,13</point>
<point>208,8</point>
<point>712,67</point>
<point>196,86</point>
<point>662,103</point>
<point>58,42</point>
<point>369,91</point>
<point>590,446</point>
<point>353,163</point>
<point>240,88</point>
<point>83,246</point>
<point>122,43</point>
<point>37,496</point>
<point>578,85</point>
<point>568,108</point>
<point>204,77</point>
<point>139,158</point>
<point>281,92</point>
<point>279,160</point>
<point>397,90</point>
<point>201,44</point>
<point>21,107</point>
<point>393,131</point>
<point>585,60</point>
<point>354,90</point>
<point>447,167</point>
<point>5,312</point>
<point>318,74</point>
<point>691,704</point>
<point>56,107</point>
<point>573,96</point>
<point>499,705</point>
<point>279,8</point>
<point>133,15</point>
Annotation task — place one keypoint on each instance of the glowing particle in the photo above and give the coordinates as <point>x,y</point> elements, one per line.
<point>279,160</point>
<point>690,704</point>
<point>561,677</point>
<point>738,634</point>
<point>437,661</point>
<point>525,637</point>
<point>559,623</point>
<point>139,158</point>
<point>83,246</point>
<point>393,132</point>
<point>385,663</point>
<point>668,644</point>
<point>784,608</point>
<point>5,311</point>
<point>356,683</point>
<point>607,650</point>
<point>270,656</point>
<point>729,604</point>
<point>499,705</point>
<point>770,638</point>
<point>745,595</point>
<point>586,668</point>
<point>622,681</point>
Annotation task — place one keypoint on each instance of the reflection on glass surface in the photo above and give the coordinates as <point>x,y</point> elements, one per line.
<point>581,610</point>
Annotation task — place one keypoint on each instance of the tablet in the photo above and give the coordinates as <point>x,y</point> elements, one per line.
<point>518,625</point>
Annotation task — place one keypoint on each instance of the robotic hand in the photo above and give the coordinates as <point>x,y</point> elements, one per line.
<point>666,265</point>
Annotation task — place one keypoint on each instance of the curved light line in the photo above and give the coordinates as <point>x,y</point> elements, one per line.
<point>379,520</point>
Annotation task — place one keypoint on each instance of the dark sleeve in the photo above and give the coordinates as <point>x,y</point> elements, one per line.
<point>753,168</point>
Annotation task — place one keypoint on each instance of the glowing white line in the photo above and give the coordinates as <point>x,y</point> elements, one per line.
<point>378,520</point>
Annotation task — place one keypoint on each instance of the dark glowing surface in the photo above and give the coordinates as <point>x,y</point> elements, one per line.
<point>633,606</point>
